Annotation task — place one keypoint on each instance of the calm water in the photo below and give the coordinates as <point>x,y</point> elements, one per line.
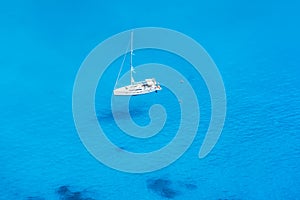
<point>256,47</point>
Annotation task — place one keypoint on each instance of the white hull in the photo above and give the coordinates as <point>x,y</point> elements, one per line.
<point>138,88</point>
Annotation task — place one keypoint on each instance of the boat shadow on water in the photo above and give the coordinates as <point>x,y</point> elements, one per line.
<point>107,115</point>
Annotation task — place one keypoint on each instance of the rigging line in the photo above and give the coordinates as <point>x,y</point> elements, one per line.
<point>122,65</point>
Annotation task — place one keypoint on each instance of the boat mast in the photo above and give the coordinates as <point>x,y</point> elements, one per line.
<point>131,53</point>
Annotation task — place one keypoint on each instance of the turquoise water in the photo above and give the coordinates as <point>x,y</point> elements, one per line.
<point>255,46</point>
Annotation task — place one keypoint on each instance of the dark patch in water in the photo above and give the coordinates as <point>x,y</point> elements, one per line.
<point>63,190</point>
<point>229,198</point>
<point>35,198</point>
<point>65,193</point>
<point>107,115</point>
<point>168,193</point>
<point>162,187</point>
<point>190,186</point>
<point>122,148</point>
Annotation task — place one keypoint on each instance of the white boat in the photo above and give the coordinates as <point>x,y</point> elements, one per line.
<point>136,88</point>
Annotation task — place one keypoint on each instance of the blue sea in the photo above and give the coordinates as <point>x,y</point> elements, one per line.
<point>255,45</point>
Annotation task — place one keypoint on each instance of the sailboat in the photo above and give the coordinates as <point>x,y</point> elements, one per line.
<point>136,88</point>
